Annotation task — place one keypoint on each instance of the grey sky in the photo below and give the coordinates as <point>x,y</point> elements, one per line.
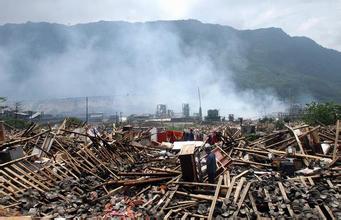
<point>317,19</point>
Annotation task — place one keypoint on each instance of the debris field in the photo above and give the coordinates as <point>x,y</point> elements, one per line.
<point>86,172</point>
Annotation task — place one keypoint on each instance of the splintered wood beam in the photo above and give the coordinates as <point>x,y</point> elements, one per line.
<point>12,188</point>
<point>281,188</point>
<point>195,196</point>
<point>59,169</point>
<point>286,199</point>
<point>301,136</point>
<point>150,201</point>
<point>11,191</point>
<point>215,197</point>
<point>195,183</point>
<point>278,152</point>
<point>229,191</point>
<point>182,206</point>
<point>197,216</point>
<point>298,143</point>
<point>169,199</point>
<point>174,179</point>
<point>228,178</point>
<point>311,181</point>
<point>184,217</point>
<point>333,161</point>
<point>242,174</point>
<point>144,174</point>
<point>164,170</point>
<point>239,187</point>
<point>4,145</point>
<point>330,184</point>
<point>69,162</point>
<point>199,196</point>
<point>168,215</point>
<point>336,139</point>
<point>87,151</point>
<point>68,156</point>
<point>319,210</point>
<point>16,160</point>
<point>268,197</point>
<point>303,181</point>
<point>14,180</point>
<point>33,179</point>
<point>201,184</point>
<point>280,142</point>
<point>23,180</point>
<point>110,193</point>
<point>135,182</point>
<point>164,197</point>
<point>11,206</point>
<point>330,213</point>
<point>36,173</point>
<point>254,206</point>
<point>242,198</point>
<point>142,191</point>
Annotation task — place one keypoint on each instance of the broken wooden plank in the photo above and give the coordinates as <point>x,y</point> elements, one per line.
<point>237,192</point>
<point>242,197</point>
<point>229,191</point>
<point>336,139</point>
<point>215,197</point>
<point>298,143</point>
<point>286,199</point>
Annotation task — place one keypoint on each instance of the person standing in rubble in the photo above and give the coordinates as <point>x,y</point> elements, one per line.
<point>185,135</point>
<point>212,138</point>
<point>191,135</point>
<point>210,163</point>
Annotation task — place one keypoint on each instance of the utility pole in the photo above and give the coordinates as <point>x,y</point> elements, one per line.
<point>17,109</point>
<point>86,109</point>
<point>16,114</point>
<point>200,110</point>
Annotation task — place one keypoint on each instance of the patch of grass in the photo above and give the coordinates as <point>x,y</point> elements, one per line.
<point>15,122</point>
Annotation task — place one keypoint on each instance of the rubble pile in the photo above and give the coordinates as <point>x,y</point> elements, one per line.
<point>83,172</point>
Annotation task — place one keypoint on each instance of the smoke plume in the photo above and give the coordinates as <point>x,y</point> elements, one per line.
<point>139,68</point>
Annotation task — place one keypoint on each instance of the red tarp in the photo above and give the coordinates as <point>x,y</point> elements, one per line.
<point>169,136</point>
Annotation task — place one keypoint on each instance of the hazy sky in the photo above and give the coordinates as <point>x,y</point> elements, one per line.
<point>317,19</point>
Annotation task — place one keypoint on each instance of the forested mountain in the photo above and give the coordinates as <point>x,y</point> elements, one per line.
<point>37,55</point>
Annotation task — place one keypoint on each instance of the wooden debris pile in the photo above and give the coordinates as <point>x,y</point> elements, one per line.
<point>70,172</point>
<point>83,172</point>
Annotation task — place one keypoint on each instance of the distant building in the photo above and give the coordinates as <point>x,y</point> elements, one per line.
<point>231,117</point>
<point>96,117</point>
<point>161,110</point>
<point>212,115</point>
<point>295,111</point>
<point>185,110</point>
<point>170,113</point>
<point>240,121</point>
<point>248,129</point>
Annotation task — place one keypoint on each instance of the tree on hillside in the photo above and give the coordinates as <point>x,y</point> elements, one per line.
<point>326,113</point>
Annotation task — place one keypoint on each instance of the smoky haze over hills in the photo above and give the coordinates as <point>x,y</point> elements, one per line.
<point>246,72</point>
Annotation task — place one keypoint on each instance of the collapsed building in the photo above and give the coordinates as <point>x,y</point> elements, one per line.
<point>80,172</point>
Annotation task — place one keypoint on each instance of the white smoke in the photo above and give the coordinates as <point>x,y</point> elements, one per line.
<point>140,70</point>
